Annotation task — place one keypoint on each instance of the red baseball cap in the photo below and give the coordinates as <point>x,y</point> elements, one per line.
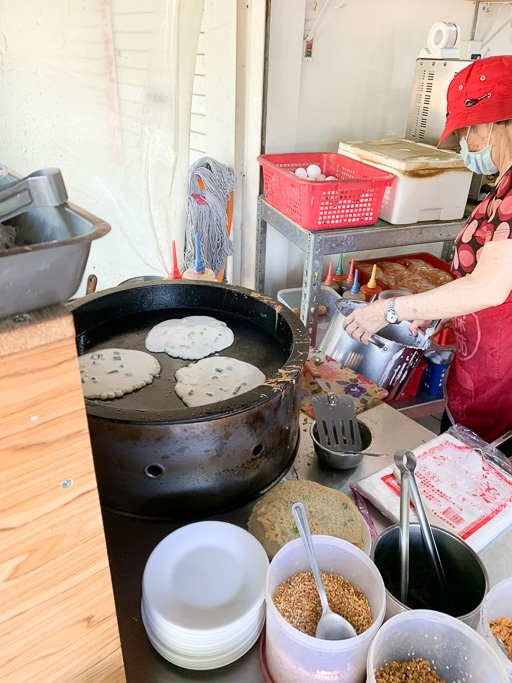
<point>480,93</point>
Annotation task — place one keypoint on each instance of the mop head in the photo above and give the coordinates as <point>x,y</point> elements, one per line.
<point>206,213</point>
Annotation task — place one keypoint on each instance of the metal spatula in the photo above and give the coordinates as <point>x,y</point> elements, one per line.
<point>337,423</point>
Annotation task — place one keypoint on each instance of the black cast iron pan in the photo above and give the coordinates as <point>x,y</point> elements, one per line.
<point>267,334</point>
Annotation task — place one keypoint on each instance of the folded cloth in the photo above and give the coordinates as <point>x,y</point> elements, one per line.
<point>340,381</point>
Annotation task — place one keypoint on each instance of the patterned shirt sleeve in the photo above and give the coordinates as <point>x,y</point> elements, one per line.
<point>500,210</point>
<point>490,221</point>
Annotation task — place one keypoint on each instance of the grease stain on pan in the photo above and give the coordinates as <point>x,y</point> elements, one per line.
<point>283,375</point>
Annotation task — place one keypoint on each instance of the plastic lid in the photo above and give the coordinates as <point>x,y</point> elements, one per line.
<point>339,269</point>
<point>372,284</point>
<point>328,279</point>
<point>175,273</point>
<point>355,287</point>
<point>402,155</point>
<point>350,278</point>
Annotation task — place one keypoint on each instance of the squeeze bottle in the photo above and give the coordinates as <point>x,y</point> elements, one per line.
<point>372,287</point>
<point>329,282</point>
<point>354,294</point>
<point>198,270</point>
<point>175,271</point>
<point>338,274</point>
<point>348,280</point>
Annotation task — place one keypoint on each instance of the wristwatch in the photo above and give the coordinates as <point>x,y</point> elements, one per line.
<point>391,315</point>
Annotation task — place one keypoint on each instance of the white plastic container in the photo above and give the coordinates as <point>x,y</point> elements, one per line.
<point>293,656</point>
<point>454,650</point>
<point>328,297</point>
<point>431,184</point>
<point>497,603</point>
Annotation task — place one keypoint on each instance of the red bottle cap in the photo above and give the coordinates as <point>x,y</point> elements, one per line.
<point>350,278</point>
<point>328,279</point>
<point>175,271</point>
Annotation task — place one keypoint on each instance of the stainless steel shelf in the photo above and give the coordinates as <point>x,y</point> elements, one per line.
<point>317,243</point>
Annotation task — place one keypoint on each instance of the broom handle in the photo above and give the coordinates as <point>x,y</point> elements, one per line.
<point>229,213</point>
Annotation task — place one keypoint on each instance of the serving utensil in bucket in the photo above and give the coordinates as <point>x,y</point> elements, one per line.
<point>331,626</point>
<point>405,499</point>
<point>408,462</point>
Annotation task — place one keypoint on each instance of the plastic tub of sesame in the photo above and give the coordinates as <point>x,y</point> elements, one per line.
<point>354,588</point>
<point>496,619</point>
<point>423,646</point>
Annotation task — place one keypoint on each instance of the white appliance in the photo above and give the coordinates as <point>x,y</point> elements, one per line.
<point>427,109</point>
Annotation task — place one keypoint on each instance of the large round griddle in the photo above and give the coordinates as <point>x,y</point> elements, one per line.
<point>154,456</point>
<point>252,344</point>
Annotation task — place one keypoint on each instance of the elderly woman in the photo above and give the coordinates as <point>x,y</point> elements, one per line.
<point>478,303</point>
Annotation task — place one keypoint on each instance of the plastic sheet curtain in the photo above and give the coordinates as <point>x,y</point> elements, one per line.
<point>102,89</point>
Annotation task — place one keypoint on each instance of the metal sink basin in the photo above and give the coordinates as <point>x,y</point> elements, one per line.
<point>47,264</point>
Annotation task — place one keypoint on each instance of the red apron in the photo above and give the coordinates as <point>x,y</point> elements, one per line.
<point>479,385</point>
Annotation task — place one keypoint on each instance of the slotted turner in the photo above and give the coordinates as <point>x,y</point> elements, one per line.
<point>337,423</point>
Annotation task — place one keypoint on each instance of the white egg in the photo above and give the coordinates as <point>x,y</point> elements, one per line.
<point>331,177</point>
<point>321,177</point>
<point>314,171</point>
<point>301,173</point>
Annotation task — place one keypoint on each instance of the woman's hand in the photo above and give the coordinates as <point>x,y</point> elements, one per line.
<point>418,325</point>
<point>423,324</point>
<point>366,320</point>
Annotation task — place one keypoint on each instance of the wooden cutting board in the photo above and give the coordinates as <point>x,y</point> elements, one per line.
<point>57,614</point>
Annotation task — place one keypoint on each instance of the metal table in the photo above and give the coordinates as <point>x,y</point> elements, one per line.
<point>130,542</point>
<point>317,243</point>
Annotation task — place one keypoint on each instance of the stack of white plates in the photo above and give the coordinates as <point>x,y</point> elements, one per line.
<point>203,595</point>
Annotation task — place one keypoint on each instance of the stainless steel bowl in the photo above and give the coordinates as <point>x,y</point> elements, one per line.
<point>342,461</point>
<point>466,575</point>
<point>388,361</point>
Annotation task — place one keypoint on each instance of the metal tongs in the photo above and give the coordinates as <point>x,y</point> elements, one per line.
<point>42,188</point>
<point>406,463</point>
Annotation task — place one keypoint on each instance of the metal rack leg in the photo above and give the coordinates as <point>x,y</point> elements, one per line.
<point>311,283</point>
<point>447,251</point>
<point>261,248</point>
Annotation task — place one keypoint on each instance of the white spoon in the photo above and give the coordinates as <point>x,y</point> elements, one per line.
<point>331,626</point>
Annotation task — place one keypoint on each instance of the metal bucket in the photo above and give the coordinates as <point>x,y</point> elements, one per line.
<point>389,360</point>
<point>465,572</point>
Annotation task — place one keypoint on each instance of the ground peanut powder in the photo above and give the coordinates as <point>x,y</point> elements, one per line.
<point>297,600</point>
<point>502,628</point>
<point>414,671</point>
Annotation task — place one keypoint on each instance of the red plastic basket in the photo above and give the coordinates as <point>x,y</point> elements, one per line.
<point>352,201</point>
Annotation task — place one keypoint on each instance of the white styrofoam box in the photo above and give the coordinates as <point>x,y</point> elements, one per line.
<point>431,184</point>
<point>328,297</point>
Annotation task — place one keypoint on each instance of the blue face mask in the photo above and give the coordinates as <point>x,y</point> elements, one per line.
<point>479,162</point>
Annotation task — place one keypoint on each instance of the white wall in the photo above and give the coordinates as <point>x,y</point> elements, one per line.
<point>357,86</point>
<point>99,88</point>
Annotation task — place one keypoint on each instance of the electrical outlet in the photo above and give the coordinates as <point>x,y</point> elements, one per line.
<point>307,51</point>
